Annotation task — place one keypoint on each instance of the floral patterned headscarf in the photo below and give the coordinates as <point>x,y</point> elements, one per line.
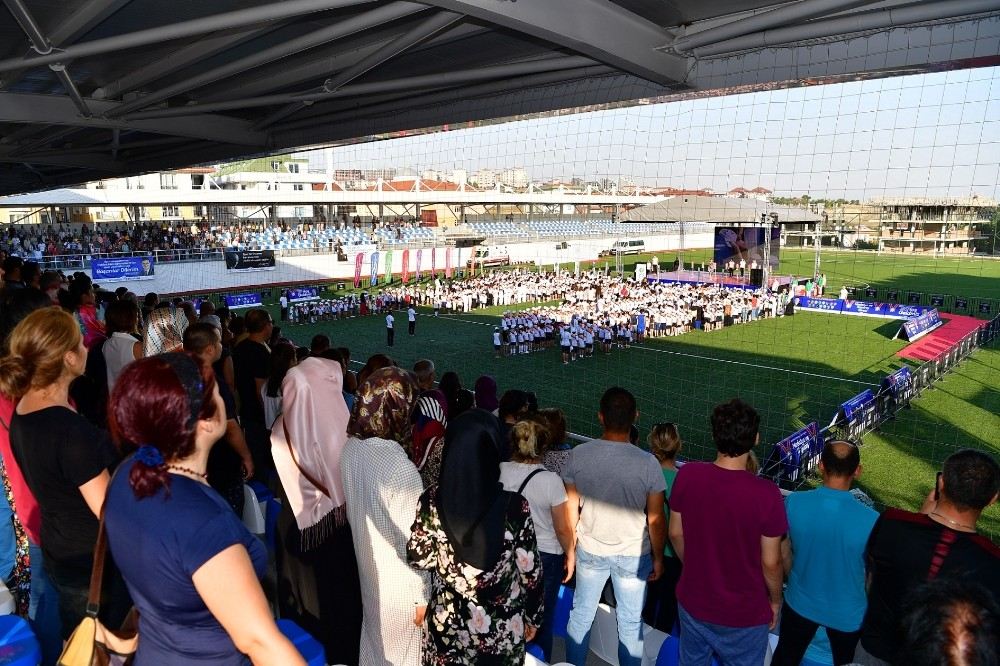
<point>384,403</point>
<point>164,331</point>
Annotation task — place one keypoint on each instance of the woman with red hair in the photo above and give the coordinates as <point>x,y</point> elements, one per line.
<point>191,566</point>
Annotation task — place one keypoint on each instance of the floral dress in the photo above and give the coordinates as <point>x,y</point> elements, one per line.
<point>473,613</point>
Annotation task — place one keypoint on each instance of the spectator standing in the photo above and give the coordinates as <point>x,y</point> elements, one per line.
<point>283,302</point>
<point>478,542</point>
<point>827,532</point>
<point>726,526</point>
<point>122,346</point>
<point>907,549</point>
<point>429,425</point>
<point>318,584</point>
<point>661,596</point>
<point>64,459</point>
<point>951,621</point>
<point>164,523</point>
<point>615,499</point>
<point>546,496</point>
<point>251,360</point>
<point>390,332</point>
<point>382,489</point>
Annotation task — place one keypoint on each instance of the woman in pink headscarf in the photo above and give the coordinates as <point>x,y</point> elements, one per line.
<point>318,584</point>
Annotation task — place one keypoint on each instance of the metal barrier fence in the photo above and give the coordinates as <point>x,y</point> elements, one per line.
<point>963,305</point>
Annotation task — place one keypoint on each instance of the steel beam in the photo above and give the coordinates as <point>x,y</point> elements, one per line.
<point>183,57</point>
<point>424,30</point>
<point>95,161</point>
<point>852,23</point>
<point>408,83</point>
<point>784,15</point>
<point>239,18</point>
<point>55,110</point>
<point>598,29</point>
<point>322,66</point>
<point>310,40</point>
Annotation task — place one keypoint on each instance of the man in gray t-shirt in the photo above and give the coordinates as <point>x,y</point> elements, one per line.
<point>615,497</point>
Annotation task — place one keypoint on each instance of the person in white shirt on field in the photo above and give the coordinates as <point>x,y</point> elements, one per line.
<point>411,317</point>
<point>390,332</point>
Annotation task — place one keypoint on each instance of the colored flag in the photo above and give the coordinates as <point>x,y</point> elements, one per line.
<point>420,254</point>
<point>406,266</point>
<point>359,260</point>
<point>374,278</point>
<point>447,263</point>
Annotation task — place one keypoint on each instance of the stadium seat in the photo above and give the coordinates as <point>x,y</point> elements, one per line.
<point>564,605</point>
<point>253,512</point>
<point>310,649</point>
<point>270,507</point>
<point>18,645</point>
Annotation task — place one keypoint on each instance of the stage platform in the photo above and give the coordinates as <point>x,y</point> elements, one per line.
<point>942,338</point>
<point>706,277</point>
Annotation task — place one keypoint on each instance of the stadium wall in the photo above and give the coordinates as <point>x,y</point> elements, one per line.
<point>198,277</point>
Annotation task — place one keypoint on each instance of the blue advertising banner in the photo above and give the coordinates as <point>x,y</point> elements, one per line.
<point>794,456</point>
<point>374,279</point>
<point>118,269</point>
<point>244,301</point>
<point>861,308</point>
<point>901,385</point>
<point>860,414</point>
<point>920,326</point>
<point>303,294</point>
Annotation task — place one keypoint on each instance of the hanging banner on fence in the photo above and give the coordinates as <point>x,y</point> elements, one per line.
<point>374,263</point>
<point>920,326</point>
<point>117,269</point>
<point>250,260</point>
<point>861,308</point>
<point>387,275</point>
<point>937,301</point>
<point>447,263</point>
<point>796,455</point>
<point>359,261</point>
<point>961,304</point>
<point>859,414</point>
<point>303,294</point>
<point>901,385</point>
<point>243,301</point>
<point>420,255</point>
<point>406,266</point>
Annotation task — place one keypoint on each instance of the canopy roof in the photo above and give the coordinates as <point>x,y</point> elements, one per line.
<point>91,89</point>
<point>718,210</point>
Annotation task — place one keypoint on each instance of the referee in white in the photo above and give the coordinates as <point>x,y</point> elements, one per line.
<point>411,316</point>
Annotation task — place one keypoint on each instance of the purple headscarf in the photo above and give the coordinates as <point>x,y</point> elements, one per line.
<point>486,393</point>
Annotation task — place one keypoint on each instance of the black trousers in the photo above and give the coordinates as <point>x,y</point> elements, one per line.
<point>796,632</point>
<point>413,327</point>
<point>390,335</point>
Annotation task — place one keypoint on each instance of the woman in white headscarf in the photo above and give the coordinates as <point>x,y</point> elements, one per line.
<point>318,584</point>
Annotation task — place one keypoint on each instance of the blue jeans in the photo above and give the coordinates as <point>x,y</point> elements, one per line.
<point>733,646</point>
<point>552,574</point>
<point>43,609</point>
<point>628,577</point>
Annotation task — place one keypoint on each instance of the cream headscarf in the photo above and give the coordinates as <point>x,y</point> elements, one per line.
<point>164,331</point>
<point>307,441</point>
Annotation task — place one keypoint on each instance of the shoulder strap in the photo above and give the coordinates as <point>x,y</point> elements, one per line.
<point>528,478</point>
<point>291,452</point>
<point>97,571</point>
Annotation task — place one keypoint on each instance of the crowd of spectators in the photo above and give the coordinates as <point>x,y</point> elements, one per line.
<point>425,522</point>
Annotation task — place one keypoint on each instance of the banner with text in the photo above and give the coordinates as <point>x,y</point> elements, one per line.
<point>374,263</point>
<point>359,262</point>
<point>388,267</point>
<point>302,294</point>
<point>918,327</point>
<point>861,308</point>
<point>117,269</point>
<point>406,266</point>
<point>795,456</point>
<point>250,260</point>
<point>420,255</point>
<point>447,263</point>
<point>243,301</point>
<point>859,414</point>
<point>900,385</point>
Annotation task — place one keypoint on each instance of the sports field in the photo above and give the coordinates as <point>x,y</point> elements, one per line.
<point>793,369</point>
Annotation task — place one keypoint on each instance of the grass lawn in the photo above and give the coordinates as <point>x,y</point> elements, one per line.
<point>794,370</point>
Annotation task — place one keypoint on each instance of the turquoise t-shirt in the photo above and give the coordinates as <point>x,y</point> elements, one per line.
<point>828,530</point>
<point>668,477</point>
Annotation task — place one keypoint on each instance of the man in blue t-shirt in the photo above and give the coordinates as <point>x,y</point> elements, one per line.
<point>824,557</point>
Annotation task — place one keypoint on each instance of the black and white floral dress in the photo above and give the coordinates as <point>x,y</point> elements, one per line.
<point>478,617</point>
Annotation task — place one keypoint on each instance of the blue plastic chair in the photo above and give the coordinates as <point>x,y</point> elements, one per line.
<point>308,647</point>
<point>564,604</point>
<point>18,645</point>
<point>272,508</point>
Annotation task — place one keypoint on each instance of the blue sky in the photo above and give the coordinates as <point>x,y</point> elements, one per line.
<point>922,135</point>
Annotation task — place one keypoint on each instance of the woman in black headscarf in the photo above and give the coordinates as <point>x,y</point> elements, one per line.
<point>478,542</point>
